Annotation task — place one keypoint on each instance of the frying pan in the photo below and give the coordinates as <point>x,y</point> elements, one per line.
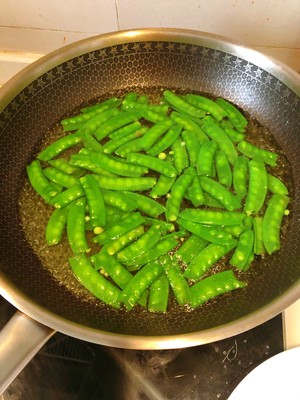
<point>38,97</point>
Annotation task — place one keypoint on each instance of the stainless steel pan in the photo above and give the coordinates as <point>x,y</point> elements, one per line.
<point>38,97</point>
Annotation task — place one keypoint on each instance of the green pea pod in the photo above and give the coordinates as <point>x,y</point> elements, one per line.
<point>133,184</point>
<point>111,125</point>
<point>146,205</point>
<point>234,115</point>
<point>60,177</point>
<point>195,192</point>
<point>190,248</point>
<point>167,140</point>
<point>90,143</point>
<point>275,185</point>
<point>178,190</point>
<point>116,245</point>
<point>63,165</point>
<point>180,156</point>
<point>161,166</point>
<point>139,283</point>
<point>189,125</point>
<point>216,133</point>
<point>76,227</point>
<point>167,243</point>
<point>159,295</point>
<point>272,222</point>
<point>223,169</point>
<point>205,158</point>
<point>243,250</point>
<point>39,182</point>
<point>180,104</point>
<point>252,151</point>
<point>117,200</point>
<point>162,186</point>
<point>176,279</point>
<point>56,225</point>
<point>67,196</point>
<point>141,245</point>
<point>94,282</point>
<point>192,146</point>
<point>240,177</point>
<point>212,217</point>
<point>155,132</point>
<point>205,259</point>
<point>60,145</point>
<point>88,162</point>
<point>209,233</point>
<point>208,105</point>
<point>127,224</point>
<point>213,286</point>
<point>259,247</point>
<point>224,196</point>
<point>94,199</point>
<point>258,187</point>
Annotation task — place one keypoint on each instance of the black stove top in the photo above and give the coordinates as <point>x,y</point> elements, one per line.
<point>71,369</point>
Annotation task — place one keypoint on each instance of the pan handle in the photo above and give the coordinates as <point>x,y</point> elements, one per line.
<point>20,339</point>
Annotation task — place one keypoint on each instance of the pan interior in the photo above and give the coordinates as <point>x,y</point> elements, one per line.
<point>148,66</point>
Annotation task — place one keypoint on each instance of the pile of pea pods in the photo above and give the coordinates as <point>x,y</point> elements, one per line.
<point>167,189</point>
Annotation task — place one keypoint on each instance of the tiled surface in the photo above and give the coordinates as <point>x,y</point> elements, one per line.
<point>251,22</point>
<point>42,26</point>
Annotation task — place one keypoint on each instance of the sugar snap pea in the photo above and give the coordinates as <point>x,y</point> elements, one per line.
<point>63,165</point>
<point>189,125</point>
<point>60,177</point>
<point>146,204</point>
<point>166,141</point>
<point>93,281</point>
<point>216,133</point>
<point>272,222</point>
<point>180,104</point>
<point>213,234</point>
<point>205,259</point>
<point>57,147</point>
<point>223,168</point>
<point>252,151</point>
<point>39,181</point>
<point>258,187</point>
<point>190,248</point>
<point>76,227</point>
<point>178,190</point>
<point>127,224</point>
<point>139,283</point>
<point>206,158</point>
<point>210,217</point>
<point>164,167</point>
<point>113,124</point>
<point>275,185</point>
<point>176,279</point>
<point>224,196</point>
<point>67,196</point>
<point>213,286</point>
<point>95,200</point>
<point>208,105</point>
<point>234,115</point>
<point>56,225</point>
<point>134,184</point>
<point>240,176</point>
<point>180,156</point>
<point>159,295</point>
<point>141,245</point>
<point>192,146</point>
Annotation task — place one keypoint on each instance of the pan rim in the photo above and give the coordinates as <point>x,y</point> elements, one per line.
<point>33,71</point>
<point>16,84</point>
<point>137,342</point>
